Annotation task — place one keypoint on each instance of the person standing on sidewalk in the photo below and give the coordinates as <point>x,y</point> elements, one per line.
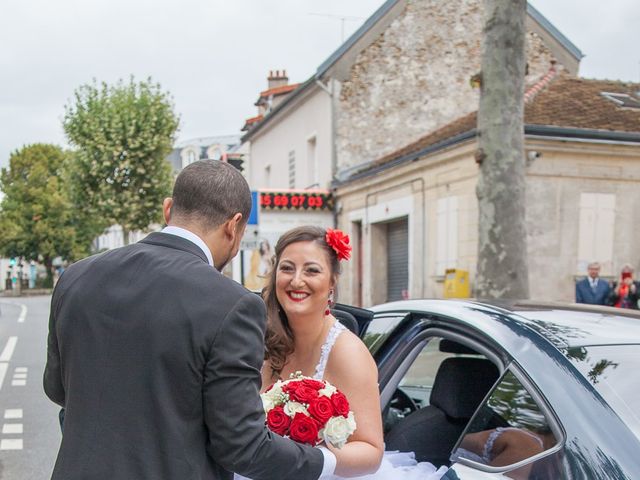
<point>626,291</point>
<point>592,289</point>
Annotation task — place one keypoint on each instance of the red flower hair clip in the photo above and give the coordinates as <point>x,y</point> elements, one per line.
<point>337,240</point>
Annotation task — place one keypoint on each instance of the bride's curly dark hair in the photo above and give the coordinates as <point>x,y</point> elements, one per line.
<point>279,336</point>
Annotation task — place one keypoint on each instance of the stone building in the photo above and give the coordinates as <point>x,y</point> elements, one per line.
<point>413,212</point>
<point>404,124</point>
<point>414,75</point>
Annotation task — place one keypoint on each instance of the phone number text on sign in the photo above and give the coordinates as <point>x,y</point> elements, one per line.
<point>296,201</point>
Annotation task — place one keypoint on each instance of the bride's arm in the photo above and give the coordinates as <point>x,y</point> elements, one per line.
<point>353,371</point>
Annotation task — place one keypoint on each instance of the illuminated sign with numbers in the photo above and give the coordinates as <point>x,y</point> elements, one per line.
<point>296,200</point>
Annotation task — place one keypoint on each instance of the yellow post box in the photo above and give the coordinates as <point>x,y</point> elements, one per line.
<point>456,283</point>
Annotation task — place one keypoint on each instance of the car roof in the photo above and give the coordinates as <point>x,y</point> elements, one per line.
<point>564,325</point>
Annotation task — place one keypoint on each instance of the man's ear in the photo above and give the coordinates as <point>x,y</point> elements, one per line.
<point>233,227</point>
<point>166,209</point>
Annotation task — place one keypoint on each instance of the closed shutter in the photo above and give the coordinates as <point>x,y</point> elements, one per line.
<point>397,260</point>
<point>595,231</point>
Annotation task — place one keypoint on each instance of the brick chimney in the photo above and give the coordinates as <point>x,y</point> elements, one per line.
<point>277,78</point>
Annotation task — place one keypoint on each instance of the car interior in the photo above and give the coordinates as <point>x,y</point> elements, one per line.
<point>428,414</point>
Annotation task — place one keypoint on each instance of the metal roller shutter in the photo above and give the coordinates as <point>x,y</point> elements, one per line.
<point>397,259</point>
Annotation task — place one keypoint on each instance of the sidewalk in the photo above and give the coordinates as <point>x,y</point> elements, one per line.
<point>30,292</point>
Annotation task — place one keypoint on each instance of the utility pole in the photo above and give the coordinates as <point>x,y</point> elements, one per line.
<point>342,18</point>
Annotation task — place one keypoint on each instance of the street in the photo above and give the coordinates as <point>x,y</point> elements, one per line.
<point>30,434</point>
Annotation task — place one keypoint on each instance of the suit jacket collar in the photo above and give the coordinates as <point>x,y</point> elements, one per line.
<point>173,241</point>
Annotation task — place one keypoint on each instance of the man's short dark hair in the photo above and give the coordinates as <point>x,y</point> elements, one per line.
<point>210,192</point>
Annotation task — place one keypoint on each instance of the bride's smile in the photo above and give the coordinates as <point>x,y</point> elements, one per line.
<point>304,280</point>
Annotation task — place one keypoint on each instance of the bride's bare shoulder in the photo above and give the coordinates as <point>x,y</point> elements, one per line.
<point>350,353</point>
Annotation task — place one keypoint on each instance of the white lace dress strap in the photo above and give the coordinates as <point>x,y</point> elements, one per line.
<point>335,331</point>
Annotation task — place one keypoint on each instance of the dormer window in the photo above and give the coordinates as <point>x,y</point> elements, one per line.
<point>623,100</point>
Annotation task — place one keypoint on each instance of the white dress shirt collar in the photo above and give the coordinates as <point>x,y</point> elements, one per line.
<point>192,237</point>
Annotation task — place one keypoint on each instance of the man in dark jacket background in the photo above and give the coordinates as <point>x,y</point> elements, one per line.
<point>592,289</point>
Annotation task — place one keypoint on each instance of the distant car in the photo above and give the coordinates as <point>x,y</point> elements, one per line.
<point>563,379</point>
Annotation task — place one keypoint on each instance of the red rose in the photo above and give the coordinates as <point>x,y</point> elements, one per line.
<point>278,421</point>
<point>337,240</point>
<point>305,394</point>
<point>311,383</point>
<point>290,388</point>
<point>321,409</point>
<point>340,403</point>
<point>304,429</point>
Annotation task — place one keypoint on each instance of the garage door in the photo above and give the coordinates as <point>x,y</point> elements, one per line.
<point>397,259</point>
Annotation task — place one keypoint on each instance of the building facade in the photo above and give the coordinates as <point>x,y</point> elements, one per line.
<point>582,143</point>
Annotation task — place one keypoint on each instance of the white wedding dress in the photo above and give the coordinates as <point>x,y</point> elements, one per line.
<point>395,465</point>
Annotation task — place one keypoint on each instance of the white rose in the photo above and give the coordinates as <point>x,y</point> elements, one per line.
<point>338,429</point>
<point>351,421</point>
<point>273,397</point>
<point>291,408</point>
<point>328,390</point>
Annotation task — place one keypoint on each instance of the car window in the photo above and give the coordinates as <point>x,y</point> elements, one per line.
<point>417,383</point>
<point>435,397</point>
<point>613,371</point>
<point>379,330</point>
<point>508,429</point>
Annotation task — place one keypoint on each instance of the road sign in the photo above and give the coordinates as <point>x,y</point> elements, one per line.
<point>253,216</point>
<point>251,238</point>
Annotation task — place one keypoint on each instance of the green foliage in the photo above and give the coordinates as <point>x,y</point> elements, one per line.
<point>123,134</point>
<point>36,214</point>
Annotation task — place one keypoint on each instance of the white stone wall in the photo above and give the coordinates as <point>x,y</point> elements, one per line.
<point>415,78</point>
<point>555,182</point>
<point>291,131</point>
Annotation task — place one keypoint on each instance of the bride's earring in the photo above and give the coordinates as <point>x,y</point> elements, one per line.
<point>329,303</point>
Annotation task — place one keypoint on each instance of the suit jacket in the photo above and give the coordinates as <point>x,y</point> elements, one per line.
<point>156,358</point>
<point>584,293</point>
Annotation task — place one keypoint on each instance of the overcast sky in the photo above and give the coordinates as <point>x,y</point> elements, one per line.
<point>213,55</point>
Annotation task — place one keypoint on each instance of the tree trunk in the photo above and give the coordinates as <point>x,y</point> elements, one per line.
<point>48,263</point>
<point>502,270</point>
<point>125,236</point>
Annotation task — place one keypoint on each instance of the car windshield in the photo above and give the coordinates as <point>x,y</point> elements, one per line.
<point>614,371</point>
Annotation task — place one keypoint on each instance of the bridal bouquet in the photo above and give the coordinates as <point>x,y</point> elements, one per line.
<point>308,411</point>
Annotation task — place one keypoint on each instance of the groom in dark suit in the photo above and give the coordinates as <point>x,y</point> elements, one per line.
<point>156,356</point>
<point>592,289</point>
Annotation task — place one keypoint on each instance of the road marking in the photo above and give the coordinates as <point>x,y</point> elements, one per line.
<point>11,444</point>
<point>18,383</point>
<point>3,372</point>
<point>23,313</point>
<point>9,348</point>
<point>11,428</point>
<point>7,353</point>
<point>22,369</point>
<point>17,376</point>
<point>11,413</point>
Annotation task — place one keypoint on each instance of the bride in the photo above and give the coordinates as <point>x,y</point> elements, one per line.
<point>303,336</point>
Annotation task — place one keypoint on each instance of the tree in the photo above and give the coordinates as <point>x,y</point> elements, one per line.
<point>502,270</point>
<point>123,134</point>
<point>36,215</point>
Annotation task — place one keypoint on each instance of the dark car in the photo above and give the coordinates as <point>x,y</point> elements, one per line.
<point>519,390</point>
